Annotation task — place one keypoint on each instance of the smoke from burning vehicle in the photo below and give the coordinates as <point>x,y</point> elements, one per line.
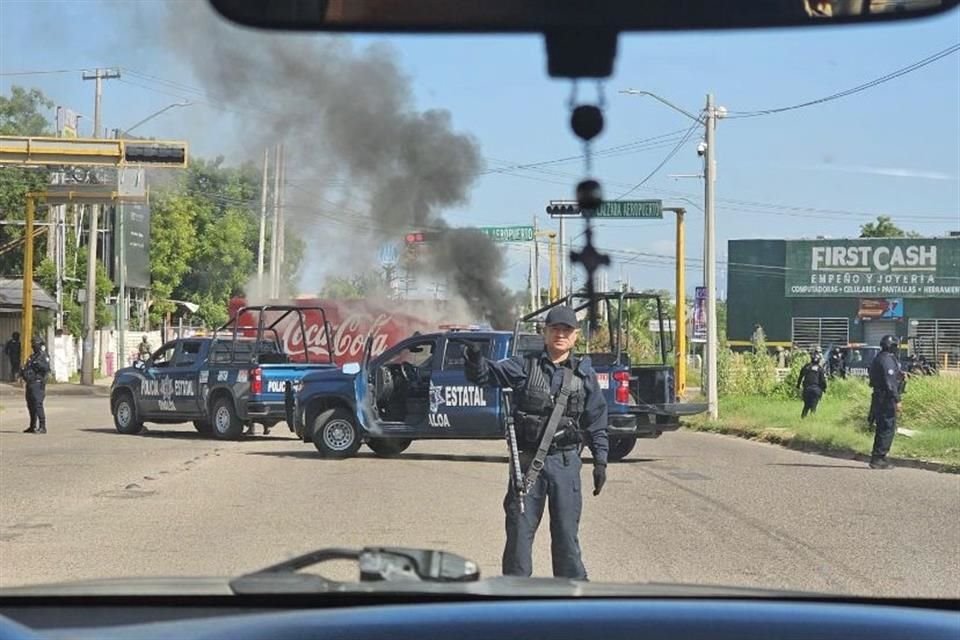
<point>362,164</point>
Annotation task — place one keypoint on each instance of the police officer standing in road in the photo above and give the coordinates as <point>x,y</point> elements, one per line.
<point>541,382</point>
<point>35,373</point>
<point>885,379</point>
<point>813,382</point>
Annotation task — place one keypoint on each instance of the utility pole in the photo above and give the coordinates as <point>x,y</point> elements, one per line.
<point>533,262</point>
<point>563,260</point>
<point>90,315</point>
<point>99,76</point>
<point>263,220</point>
<point>281,244</point>
<point>680,331</point>
<point>276,222</point>
<point>536,271</point>
<point>710,251</point>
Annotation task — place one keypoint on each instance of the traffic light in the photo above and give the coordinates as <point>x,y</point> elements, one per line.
<point>166,154</point>
<point>421,237</point>
<point>565,209</point>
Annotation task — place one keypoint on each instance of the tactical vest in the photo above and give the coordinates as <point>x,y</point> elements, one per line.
<point>534,404</point>
<point>811,377</point>
<point>31,372</point>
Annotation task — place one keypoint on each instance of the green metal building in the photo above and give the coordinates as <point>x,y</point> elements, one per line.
<point>807,293</point>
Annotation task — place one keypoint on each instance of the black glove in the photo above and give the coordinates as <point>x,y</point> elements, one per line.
<point>472,353</point>
<point>599,478</point>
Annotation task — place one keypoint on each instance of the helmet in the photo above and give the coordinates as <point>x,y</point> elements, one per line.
<point>36,342</point>
<point>815,357</point>
<point>889,343</point>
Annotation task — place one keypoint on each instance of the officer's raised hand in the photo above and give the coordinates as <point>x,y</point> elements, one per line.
<point>472,353</point>
<point>473,361</point>
<point>599,478</point>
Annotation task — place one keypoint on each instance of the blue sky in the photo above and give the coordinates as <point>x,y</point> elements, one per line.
<point>823,170</point>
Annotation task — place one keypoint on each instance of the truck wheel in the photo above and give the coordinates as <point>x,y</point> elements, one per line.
<point>620,448</point>
<point>388,447</point>
<point>203,426</point>
<point>335,434</point>
<point>226,424</point>
<point>125,417</point>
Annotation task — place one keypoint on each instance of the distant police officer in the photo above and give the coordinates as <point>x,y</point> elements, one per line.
<point>838,364</point>
<point>12,350</point>
<point>813,382</point>
<point>35,373</point>
<point>885,379</point>
<point>539,383</point>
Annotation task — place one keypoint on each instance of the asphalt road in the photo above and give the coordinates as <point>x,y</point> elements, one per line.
<point>86,502</point>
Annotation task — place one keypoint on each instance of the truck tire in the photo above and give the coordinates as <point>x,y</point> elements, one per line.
<point>226,424</point>
<point>388,447</point>
<point>620,448</point>
<point>125,417</point>
<point>203,426</point>
<point>335,434</point>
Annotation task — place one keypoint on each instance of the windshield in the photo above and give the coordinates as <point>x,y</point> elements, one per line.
<point>394,186</point>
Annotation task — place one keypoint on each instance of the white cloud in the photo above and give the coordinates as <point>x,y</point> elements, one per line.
<point>894,172</point>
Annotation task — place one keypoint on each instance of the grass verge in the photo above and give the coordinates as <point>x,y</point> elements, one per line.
<point>931,408</point>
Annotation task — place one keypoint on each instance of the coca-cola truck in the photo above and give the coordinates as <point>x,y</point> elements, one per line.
<point>350,323</point>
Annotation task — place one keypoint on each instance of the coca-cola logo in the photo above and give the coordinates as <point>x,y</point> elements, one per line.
<point>348,336</point>
<point>350,324</point>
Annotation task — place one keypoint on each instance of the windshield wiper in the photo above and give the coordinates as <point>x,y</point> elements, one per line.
<point>376,564</point>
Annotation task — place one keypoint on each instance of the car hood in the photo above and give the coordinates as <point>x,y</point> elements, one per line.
<point>506,587</point>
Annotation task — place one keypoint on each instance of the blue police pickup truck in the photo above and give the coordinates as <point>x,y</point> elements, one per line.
<point>418,390</point>
<point>239,376</point>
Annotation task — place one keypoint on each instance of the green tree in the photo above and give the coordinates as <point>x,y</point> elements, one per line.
<point>206,226</point>
<point>46,277</point>
<point>885,228</point>
<point>21,114</point>
<point>173,243</point>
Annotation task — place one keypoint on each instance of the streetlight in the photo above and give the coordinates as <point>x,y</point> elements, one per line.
<point>707,149</point>
<point>185,103</point>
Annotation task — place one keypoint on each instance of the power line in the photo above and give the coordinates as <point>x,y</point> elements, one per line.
<point>656,169</point>
<point>853,90</point>
<point>39,72</point>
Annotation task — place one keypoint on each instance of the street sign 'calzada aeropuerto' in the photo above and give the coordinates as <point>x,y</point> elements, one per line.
<point>351,321</point>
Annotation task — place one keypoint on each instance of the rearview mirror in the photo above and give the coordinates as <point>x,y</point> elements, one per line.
<point>351,368</point>
<point>580,15</point>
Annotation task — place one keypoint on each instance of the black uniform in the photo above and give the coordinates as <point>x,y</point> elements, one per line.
<point>885,379</point>
<point>35,373</point>
<point>13,352</point>
<point>813,381</point>
<point>536,382</point>
<point>838,365</point>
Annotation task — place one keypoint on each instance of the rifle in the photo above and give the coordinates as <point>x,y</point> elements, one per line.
<point>516,475</point>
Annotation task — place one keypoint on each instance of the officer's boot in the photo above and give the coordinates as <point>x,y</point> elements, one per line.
<point>43,427</point>
<point>880,463</point>
<point>30,429</point>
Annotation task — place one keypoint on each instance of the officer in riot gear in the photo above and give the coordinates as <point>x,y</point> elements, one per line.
<point>885,378</point>
<point>838,362</point>
<point>558,406</point>
<point>34,374</point>
<point>813,383</point>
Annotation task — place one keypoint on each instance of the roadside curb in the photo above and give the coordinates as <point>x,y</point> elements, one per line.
<point>805,446</point>
<point>59,389</point>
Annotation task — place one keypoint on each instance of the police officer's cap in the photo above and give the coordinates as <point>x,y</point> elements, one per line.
<point>561,315</point>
